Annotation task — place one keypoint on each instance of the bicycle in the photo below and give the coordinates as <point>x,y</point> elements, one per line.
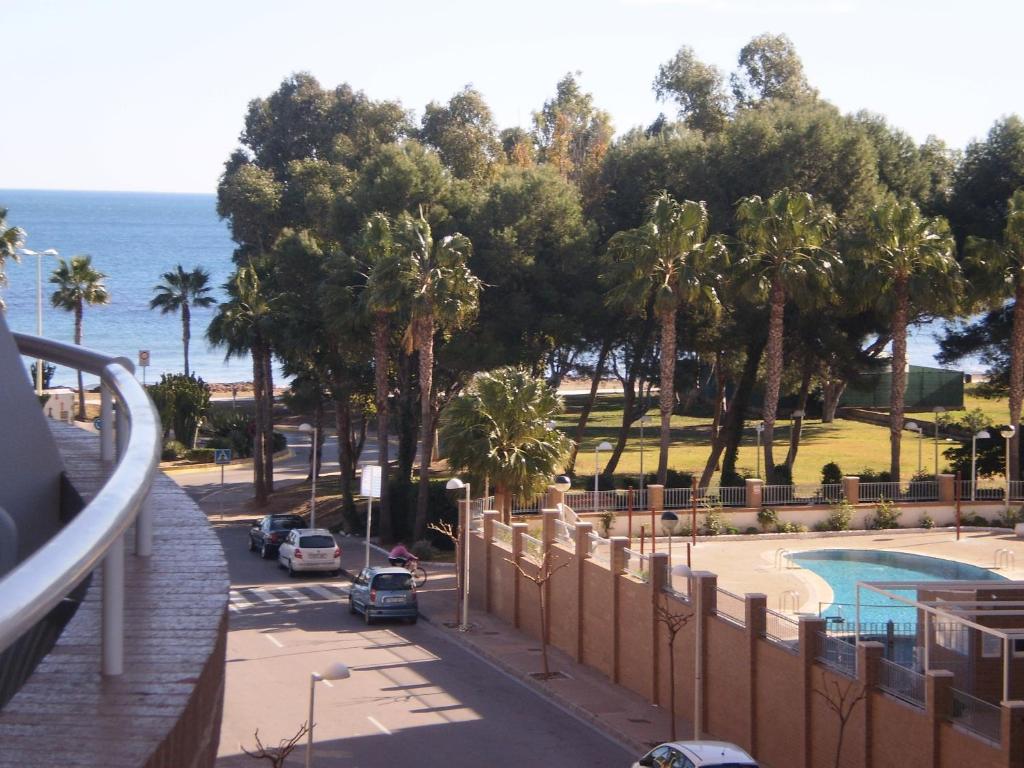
<point>412,565</point>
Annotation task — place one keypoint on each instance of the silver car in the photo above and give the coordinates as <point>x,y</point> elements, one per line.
<point>696,754</point>
<point>384,593</point>
<point>309,549</point>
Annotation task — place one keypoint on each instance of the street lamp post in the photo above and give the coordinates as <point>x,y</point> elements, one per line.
<point>604,445</point>
<point>759,428</point>
<point>39,304</point>
<point>913,426</point>
<point>309,428</point>
<point>453,485</point>
<point>938,409</point>
<point>643,420</point>
<point>335,671</point>
<point>984,435</point>
<point>1007,435</point>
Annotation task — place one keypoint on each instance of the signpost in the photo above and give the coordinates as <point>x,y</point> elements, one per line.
<point>144,363</point>
<point>369,486</point>
<point>222,456</point>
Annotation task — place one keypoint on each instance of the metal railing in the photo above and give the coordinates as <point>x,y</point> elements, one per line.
<point>902,682</point>
<point>726,496</point>
<point>838,654</point>
<point>564,531</point>
<point>503,535</point>
<point>678,585</point>
<point>533,548</point>
<point>598,548</point>
<point>638,566</point>
<point>776,495</point>
<point>983,491</point>
<point>96,534</point>
<point>731,606</point>
<point>913,490</point>
<point>782,629</point>
<point>977,716</point>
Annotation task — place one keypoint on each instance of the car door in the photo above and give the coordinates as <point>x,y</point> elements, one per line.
<point>359,587</point>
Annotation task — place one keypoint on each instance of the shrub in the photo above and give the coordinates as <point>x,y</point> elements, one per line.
<point>886,516</point>
<point>732,530</point>
<point>607,519</point>
<point>713,522</point>
<point>673,479</point>
<point>820,527</point>
<point>230,429</point>
<point>871,476</point>
<point>173,450</point>
<point>831,474</point>
<point>840,516</point>
<point>783,475</point>
<point>182,402</point>
<point>751,531</point>
<point>791,528</point>
<point>767,517</point>
<point>200,455</point>
<point>424,550</point>
<point>1009,518</point>
<point>976,521</point>
<point>926,521</point>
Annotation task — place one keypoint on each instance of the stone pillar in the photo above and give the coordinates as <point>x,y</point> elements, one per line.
<point>1012,731</point>
<point>617,564</point>
<point>851,489</point>
<point>869,659</point>
<point>547,531</point>
<point>490,518</point>
<point>947,488</point>
<point>657,584</point>
<point>811,628</point>
<point>656,497</point>
<point>518,529</point>
<point>938,699</point>
<point>754,492</point>
<point>553,497</point>
<point>704,597</point>
<point>756,621</point>
<point>583,531</point>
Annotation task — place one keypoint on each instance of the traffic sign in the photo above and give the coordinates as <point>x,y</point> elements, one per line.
<point>221,455</point>
<point>97,424</point>
<point>369,484</point>
<point>143,358</point>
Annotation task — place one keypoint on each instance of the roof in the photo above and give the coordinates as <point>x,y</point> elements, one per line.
<point>717,751</point>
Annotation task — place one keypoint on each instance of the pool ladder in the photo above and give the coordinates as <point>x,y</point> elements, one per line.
<point>782,559</point>
<point>789,598</point>
<point>1005,559</point>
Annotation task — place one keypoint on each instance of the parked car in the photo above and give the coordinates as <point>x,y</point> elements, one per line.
<point>384,593</point>
<point>266,534</point>
<point>696,754</point>
<point>309,549</point>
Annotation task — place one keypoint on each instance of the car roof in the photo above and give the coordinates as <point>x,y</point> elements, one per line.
<point>377,569</point>
<point>313,532</point>
<point>716,751</point>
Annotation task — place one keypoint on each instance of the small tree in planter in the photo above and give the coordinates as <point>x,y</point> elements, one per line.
<point>449,531</point>
<point>841,700</point>
<point>276,755</point>
<point>673,623</point>
<point>540,579</point>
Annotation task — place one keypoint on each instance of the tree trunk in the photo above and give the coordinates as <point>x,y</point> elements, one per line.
<point>268,418</point>
<point>666,398</point>
<point>1016,378</point>
<point>423,333</point>
<point>346,464</point>
<point>588,406</point>
<point>381,334</point>
<point>831,391</point>
<point>318,422</point>
<point>773,375</point>
<point>257,433</point>
<point>503,502</point>
<point>186,331</point>
<point>898,389</point>
<point>81,388</point>
<point>732,428</point>
<point>798,422</point>
<point>407,419</point>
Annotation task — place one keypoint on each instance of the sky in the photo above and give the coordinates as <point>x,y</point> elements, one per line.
<point>150,96</point>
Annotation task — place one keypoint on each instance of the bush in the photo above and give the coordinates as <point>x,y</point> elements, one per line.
<point>926,521</point>
<point>424,550</point>
<point>732,530</point>
<point>751,530</point>
<point>200,455</point>
<point>230,429</point>
<point>673,479</point>
<point>783,475</point>
<point>831,474</point>
<point>173,450</point>
<point>886,516</point>
<point>871,476</point>
<point>182,402</point>
<point>767,517</point>
<point>713,522</point>
<point>976,521</point>
<point>820,527</point>
<point>441,507</point>
<point>791,528</point>
<point>840,516</point>
<point>607,519</point>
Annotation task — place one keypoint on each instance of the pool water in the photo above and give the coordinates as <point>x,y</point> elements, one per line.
<point>843,568</point>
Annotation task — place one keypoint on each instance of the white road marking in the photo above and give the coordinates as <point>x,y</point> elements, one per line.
<point>324,592</point>
<point>379,726</point>
<point>251,597</point>
<point>275,641</point>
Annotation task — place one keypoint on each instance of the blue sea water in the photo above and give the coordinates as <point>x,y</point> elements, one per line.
<point>134,238</point>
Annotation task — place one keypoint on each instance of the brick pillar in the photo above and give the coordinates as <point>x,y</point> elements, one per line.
<point>851,489</point>
<point>869,659</point>
<point>756,622</point>
<point>938,700</point>
<point>1013,733</point>
<point>518,529</point>
<point>583,531</point>
<point>617,564</point>
<point>657,583</point>
<point>705,600</point>
<point>547,531</point>
<point>810,629</point>
<point>553,497</point>
<point>947,491</point>
<point>754,493</point>
<point>656,497</point>
<point>490,518</point>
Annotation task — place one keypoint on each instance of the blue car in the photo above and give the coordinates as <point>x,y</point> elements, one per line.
<point>384,593</point>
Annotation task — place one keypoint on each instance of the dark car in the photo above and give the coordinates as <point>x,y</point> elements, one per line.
<point>384,593</point>
<point>268,533</point>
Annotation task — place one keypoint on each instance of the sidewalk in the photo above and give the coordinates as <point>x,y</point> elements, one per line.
<point>584,692</point>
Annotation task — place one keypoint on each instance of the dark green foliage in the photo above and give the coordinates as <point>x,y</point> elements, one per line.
<point>182,402</point>
<point>200,455</point>
<point>173,450</point>
<point>442,506</point>
<point>831,474</point>
<point>48,371</point>
<point>871,476</point>
<point>674,478</point>
<point>887,515</point>
<point>230,429</point>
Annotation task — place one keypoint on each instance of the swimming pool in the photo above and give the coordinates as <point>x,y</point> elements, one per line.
<point>843,568</point>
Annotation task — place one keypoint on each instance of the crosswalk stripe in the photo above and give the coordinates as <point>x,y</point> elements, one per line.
<point>245,598</point>
<point>326,592</point>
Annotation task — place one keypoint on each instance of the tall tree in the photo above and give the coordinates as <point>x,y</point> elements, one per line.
<point>770,69</point>
<point>78,284</point>
<point>698,88</point>
<point>11,239</point>
<point>784,256</point>
<point>464,134</point>
<point>996,269</point>
<point>910,269</point>
<point>662,264</point>
<point>179,292</point>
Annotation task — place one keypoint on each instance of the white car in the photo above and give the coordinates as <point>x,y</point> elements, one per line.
<point>696,754</point>
<point>309,549</point>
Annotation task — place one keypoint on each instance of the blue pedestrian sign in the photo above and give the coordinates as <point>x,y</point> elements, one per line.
<point>97,424</point>
<point>221,455</point>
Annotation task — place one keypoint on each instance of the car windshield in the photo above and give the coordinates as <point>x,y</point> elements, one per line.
<point>285,523</point>
<point>393,581</point>
<point>316,542</point>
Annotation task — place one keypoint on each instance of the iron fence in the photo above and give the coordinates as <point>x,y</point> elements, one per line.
<point>503,535</point>
<point>782,629</point>
<point>598,548</point>
<point>776,495</point>
<point>731,606</point>
<point>637,565</point>
<point>533,548</point>
<point>978,716</point>
<point>564,531</point>
<point>838,654</point>
<point>902,682</point>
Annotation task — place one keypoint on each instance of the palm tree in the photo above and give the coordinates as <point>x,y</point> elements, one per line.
<point>78,284</point>
<point>179,291</point>
<point>663,263</point>
<point>909,266</point>
<point>443,294</point>
<point>997,270</point>
<point>243,326</point>
<point>784,257</point>
<point>11,239</point>
<point>498,429</point>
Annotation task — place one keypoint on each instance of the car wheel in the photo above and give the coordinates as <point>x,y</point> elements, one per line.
<point>351,605</point>
<point>265,551</point>
<point>252,544</point>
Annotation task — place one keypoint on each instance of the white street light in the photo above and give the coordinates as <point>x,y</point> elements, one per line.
<point>39,304</point>
<point>1007,434</point>
<point>938,409</point>
<point>453,485</point>
<point>760,428</point>
<point>913,426</point>
<point>309,428</point>
<point>984,435</point>
<point>604,445</point>
<point>334,671</point>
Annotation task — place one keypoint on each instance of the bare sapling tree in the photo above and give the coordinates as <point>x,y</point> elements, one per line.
<point>540,578</point>
<point>276,755</point>
<point>450,532</point>
<point>673,622</point>
<point>842,700</point>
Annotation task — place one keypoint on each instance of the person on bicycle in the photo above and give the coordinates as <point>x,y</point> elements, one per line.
<point>399,555</point>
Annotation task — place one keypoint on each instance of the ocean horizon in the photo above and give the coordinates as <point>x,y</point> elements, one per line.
<point>134,237</point>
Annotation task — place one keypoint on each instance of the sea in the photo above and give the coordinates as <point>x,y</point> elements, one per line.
<point>133,238</point>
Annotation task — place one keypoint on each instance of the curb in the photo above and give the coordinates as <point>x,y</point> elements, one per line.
<point>287,453</point>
